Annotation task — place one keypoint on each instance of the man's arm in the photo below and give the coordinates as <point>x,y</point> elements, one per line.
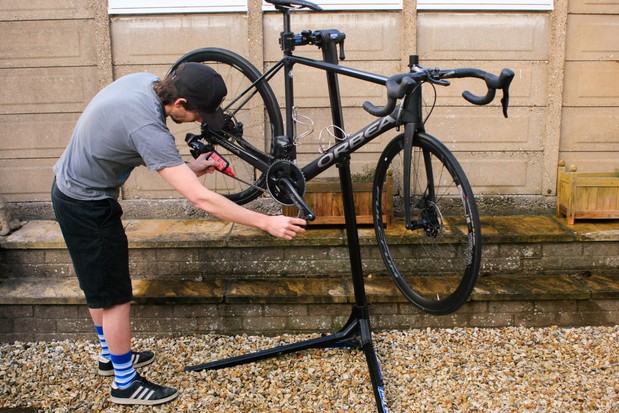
<point>185,181</point>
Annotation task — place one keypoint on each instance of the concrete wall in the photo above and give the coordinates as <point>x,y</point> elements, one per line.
<point>590,118</point>
<point>55,55</point>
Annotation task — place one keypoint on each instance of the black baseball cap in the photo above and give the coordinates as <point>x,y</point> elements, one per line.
<point>204,89</point>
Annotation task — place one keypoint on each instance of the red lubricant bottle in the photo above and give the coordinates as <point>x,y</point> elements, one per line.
<point>222,164</point>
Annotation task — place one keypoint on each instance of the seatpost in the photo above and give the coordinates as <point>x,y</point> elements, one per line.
<point>286,39</point>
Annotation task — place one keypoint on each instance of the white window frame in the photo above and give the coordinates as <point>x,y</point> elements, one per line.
<point>350,5</point>
<point>175,6</point>
<point>529,5</point>
<point>232,6</point>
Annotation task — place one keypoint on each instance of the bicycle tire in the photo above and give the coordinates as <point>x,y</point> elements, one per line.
<point>259,114</point>
<point>436,265</point>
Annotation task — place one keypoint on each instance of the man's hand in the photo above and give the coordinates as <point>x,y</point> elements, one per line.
<point>201,165</point>
<point>284,227</point>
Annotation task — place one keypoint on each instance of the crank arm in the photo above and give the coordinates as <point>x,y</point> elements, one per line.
<point>298,200</point>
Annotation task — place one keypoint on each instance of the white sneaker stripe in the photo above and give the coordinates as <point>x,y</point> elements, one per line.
<point>149,395</point>
<point>143,393</point>
<point>136,393</point>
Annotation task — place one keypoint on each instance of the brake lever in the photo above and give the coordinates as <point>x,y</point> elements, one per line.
<point>397,86</point>
<point>434,77</point>
<point>441,82</point>
<point>505,101</point>
<point>505,78</point>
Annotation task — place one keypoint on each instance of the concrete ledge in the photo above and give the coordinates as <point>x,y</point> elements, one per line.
<point>47,310</point>
<point>536,271</point>
<point>379,290</point>
<point>171,233</point>
<point>187,249</point>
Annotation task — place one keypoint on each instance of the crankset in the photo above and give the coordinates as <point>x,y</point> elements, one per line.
<point>278,174</point>
<point>286,184</point>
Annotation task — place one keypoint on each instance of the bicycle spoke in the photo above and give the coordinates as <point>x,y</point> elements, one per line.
<point>252,119</point>
<point>434,258</point>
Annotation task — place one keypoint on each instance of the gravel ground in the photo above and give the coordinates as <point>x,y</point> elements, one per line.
<point>434,370</point>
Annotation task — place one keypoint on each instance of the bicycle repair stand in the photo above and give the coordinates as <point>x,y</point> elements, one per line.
<point>356,332</point>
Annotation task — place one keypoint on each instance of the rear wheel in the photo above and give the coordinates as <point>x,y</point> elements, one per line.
<point>434,258</point>
<point>253,119</point>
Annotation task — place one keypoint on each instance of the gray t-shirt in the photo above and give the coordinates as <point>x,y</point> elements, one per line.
<point>122,127</point>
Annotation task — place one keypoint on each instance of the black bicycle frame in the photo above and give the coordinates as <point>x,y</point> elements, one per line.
<point>408,114</point>
<point>347,145</point>
<point>357,331</point>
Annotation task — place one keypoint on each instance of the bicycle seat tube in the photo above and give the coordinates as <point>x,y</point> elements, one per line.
<point>287,45</point>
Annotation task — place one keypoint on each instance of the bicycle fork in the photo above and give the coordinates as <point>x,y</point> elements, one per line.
<point>413,118</point>
<point>409,134</point>
<point>426,201</point>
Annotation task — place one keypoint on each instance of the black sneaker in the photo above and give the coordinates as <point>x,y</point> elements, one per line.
<point>141,391</point>
<point>140,359</point>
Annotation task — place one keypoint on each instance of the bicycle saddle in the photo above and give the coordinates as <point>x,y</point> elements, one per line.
<point>294,4</point>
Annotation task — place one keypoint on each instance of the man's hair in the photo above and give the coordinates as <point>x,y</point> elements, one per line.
<point>168,93</point>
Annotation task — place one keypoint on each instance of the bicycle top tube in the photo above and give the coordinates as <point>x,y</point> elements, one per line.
<point>343,70</point>
<point>399,85</point>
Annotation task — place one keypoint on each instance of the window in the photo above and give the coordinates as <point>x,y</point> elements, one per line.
<point>352,5</point>
<point>484,5</point>
<point>175,6</point>
<point>219,6</point>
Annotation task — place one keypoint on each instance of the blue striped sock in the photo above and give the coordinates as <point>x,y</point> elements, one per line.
<point>124,373</point>
<point>105,352</point>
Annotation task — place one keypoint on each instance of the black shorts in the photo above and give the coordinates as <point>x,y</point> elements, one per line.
<point>98,246</point>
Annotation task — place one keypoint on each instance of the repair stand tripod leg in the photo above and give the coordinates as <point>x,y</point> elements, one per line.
<point>355,333</point>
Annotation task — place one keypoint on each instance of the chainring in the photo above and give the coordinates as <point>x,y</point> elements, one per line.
<point>284,169</point>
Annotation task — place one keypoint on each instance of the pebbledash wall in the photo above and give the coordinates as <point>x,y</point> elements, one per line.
<point>56,54</point>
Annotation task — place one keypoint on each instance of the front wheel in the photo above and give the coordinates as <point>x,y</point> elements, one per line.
<point>253,119</point>
<point>434,255</point>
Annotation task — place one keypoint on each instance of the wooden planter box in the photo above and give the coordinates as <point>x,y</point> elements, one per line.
<point>587,195</point>
<point>324,197</point>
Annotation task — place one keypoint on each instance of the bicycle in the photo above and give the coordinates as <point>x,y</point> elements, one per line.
<point>434,254</point>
